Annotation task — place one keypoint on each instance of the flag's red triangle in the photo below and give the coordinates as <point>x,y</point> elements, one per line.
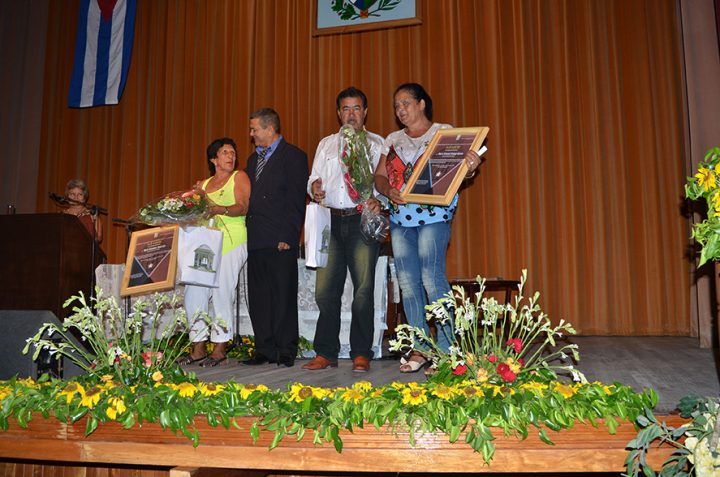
<point>106,8</point>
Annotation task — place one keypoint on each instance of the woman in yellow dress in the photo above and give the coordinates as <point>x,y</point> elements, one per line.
<point>229,190</point>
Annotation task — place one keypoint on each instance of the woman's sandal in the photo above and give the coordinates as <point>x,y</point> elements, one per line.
<point>186,360</point>
<point>210,362</point>
<point>411,365</point>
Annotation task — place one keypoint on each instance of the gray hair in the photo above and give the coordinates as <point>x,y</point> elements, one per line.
<point>79,184</point>
<point>267,117</point>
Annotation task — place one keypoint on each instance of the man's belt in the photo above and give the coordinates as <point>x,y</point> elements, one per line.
<point>344,212</point>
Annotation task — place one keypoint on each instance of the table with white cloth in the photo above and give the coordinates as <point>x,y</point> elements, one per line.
<point>109,278</point>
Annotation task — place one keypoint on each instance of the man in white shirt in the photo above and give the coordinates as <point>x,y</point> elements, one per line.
<point>347,249</point>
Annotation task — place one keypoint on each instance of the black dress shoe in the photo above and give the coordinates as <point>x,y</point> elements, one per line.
<point>288,361</point>
<point>256,360</point>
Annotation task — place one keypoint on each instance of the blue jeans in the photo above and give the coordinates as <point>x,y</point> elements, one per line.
<point>347,252</point>
<point>419,254</point>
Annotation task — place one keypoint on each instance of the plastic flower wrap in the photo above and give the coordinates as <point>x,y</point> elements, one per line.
<point>182,208</point>
<point>359,178</point>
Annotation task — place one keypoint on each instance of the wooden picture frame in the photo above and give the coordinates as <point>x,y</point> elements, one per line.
<point>333,17</point>
<point>438,173</point>
<point>151,261</point>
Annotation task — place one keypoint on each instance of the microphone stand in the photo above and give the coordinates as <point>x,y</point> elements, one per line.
<point>94,211</point>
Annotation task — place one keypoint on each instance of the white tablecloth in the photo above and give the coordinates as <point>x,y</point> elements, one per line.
<point>109,278</point>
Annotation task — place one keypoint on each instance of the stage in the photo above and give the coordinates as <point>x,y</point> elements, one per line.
<point>673,366</point>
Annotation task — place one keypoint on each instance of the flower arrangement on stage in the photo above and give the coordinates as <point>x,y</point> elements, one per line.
<point>697,455</point>
<point>359,178</point>
<point>500,343</point>
<point>705,185</point>
<point>182,208</point>
<point>131,383</point>
<point>112,344</point>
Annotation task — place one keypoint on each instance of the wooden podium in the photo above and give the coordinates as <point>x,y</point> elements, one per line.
<point>46,258</point>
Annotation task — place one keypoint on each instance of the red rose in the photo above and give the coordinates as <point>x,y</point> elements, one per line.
<point>502,368</point>
<point>492,358</point>
<point>459,370</point>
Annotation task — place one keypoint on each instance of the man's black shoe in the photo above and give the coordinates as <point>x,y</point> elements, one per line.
<point>256,360</point>
<point>288,361</point>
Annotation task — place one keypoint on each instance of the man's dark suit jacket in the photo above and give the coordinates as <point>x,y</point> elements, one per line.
<point>277,199</point>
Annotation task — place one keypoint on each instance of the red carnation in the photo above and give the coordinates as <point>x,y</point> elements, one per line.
<point>508,376</point>
<point>459,370</point>
<point>502,368</point>
<point>516,343</point>
<point>492,358</point>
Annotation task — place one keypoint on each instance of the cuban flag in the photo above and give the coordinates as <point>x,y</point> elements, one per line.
<point>102,52</point>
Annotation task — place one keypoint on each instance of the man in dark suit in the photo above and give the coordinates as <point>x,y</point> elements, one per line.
<point>278,174</point>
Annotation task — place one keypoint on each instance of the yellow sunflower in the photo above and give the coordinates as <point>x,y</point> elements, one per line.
<point>471,391</point>
<point>565,390</point>
<point>70,390</point>
<point>300,392</point>
<point>248,389</point>
<point>362,386</point>
<point>352,395</point>
<point>211,389</point>
<point>414,397</point>
<point>535,387</point>
<point>443,392</point>
<point>187,389</point>
<point>116,407</point>
<point>91,397</point>
<point>706,179</point>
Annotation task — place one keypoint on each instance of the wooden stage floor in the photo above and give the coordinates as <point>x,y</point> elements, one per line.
<point>673,366</point>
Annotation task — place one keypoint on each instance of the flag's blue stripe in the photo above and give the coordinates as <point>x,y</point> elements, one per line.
<point>102,62</point>
<point>128,35</point>
<point>78,65</point>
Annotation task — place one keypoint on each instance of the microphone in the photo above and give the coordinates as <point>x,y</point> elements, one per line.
<point>57,198</point>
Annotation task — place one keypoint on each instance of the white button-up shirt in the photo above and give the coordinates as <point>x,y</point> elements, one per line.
<point>327,166</point>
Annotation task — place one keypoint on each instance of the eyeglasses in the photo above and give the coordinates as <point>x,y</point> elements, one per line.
<point>226,152</point>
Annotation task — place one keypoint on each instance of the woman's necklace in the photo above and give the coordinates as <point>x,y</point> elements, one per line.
<point>220,186</point>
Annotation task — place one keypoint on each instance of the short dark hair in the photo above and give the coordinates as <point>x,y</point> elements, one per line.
<point>77,184</point>
<point>214,147</point>
<point>419,93</point>
<point>351,92</point>
<point>267,116</point>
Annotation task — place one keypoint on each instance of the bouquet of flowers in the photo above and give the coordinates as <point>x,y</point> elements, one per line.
<point>496,343</point>
<point>359,179</point>
<point>704,186</point>
<point>182,208</point>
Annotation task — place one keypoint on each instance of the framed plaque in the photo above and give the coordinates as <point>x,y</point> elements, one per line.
<point>438,173</point>
<point>151,261</point>
<point>346,16</point>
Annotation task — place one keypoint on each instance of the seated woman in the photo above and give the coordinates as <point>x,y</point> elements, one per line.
<point>76,195</point>
<point>229,189</point>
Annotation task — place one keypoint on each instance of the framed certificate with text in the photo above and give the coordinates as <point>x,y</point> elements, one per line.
<point>151,261</point>
<point>438,173</point>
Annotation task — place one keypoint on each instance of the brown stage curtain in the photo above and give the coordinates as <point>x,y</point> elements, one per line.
<point>583,179</point>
